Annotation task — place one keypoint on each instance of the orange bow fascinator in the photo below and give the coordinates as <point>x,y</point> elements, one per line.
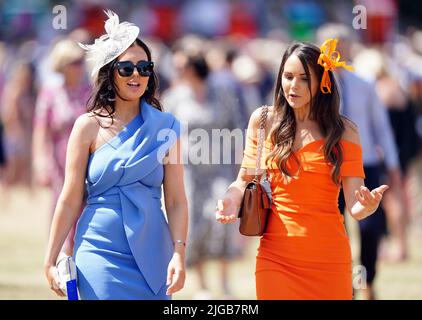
<point>330,60</point>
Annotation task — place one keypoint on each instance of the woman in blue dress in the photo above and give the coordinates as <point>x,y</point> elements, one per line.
<point>123,152</point>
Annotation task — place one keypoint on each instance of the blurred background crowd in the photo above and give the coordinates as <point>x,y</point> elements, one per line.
<point>217,62</point>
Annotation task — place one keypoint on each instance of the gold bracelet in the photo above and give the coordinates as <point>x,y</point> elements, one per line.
<point>179,242</point>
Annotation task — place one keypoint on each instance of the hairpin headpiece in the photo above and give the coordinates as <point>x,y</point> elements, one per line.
<point>330,60</point>
<point>118,37</point>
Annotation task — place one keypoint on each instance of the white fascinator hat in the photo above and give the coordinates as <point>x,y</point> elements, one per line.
<point>118,37</point>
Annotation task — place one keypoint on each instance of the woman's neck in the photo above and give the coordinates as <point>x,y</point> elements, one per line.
<point>302,114</point>
<point>306,129</point>
<point>125,110</point>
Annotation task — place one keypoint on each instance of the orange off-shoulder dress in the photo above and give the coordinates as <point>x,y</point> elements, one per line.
<point>305,251</point>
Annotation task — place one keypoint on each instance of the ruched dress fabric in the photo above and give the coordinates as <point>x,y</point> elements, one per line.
<point>122,242</point>
<point>305,253</point>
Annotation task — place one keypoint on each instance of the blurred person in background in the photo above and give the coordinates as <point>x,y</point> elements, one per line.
<point>416,98</point>
<point>415,169</point>
<point>205,104</point>
<point>265,52</point>
<point>220,55</point>
<point>57,108</point>
<point>2,147</point>
<point>250,77</point>
<point>402,119</point>
<point>3,54</point>
<point>371,116</point>
<point>2,154</point>
<point>17,108</point>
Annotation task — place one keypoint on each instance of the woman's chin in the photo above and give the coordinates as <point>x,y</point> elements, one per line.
<point>296,105</point>
<point>132,96</point>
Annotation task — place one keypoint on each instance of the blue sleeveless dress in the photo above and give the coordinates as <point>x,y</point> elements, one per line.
<point>122,240</point>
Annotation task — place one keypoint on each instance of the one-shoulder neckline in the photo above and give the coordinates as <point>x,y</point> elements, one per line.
<point>117,135</point>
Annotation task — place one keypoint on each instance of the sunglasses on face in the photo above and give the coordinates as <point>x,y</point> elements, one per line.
<point>126,68</point>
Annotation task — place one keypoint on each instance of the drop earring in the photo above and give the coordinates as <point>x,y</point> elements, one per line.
<point>110,93</point>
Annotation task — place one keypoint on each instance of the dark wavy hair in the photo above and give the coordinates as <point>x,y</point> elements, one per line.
<point>105,89</point>
<point>324,109</point>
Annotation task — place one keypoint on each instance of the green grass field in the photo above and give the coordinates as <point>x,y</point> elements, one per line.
<point>23,236</point>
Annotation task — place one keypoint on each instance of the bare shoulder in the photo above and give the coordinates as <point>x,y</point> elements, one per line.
<point>255,118</point>
<point>86,126</point>
<point>351,131</point>
<point>87,122</point>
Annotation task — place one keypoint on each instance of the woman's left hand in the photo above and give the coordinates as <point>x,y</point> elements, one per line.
<point>176,274</point>
<point>370,200</point>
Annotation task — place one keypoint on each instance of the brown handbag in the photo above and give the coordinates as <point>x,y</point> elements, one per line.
<point>256,203</point>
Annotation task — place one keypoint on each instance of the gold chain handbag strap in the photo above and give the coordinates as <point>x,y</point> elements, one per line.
<point>261,136</point>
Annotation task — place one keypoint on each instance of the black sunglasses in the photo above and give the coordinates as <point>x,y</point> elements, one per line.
<point>126,68</point>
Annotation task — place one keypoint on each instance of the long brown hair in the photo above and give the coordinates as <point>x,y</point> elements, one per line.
<point>324,109</point>
<point>105,89</point>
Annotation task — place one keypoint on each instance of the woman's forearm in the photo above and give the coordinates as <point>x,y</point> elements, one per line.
<point>235,191</point>
<point>64,218</point>
<point>177,215</point>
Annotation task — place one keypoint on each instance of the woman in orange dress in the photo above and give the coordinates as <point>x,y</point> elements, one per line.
<point>310,151</point>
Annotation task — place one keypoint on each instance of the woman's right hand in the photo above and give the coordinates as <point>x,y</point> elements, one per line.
<point>53,280</point>
<point>227,210</point>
